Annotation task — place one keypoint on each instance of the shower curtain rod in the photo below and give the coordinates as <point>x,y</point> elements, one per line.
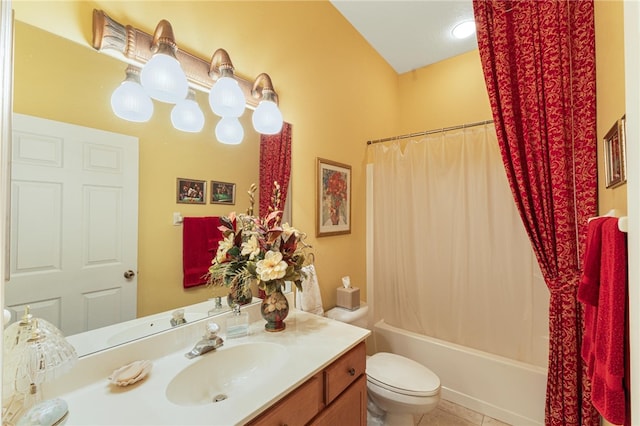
<point>428,132</point>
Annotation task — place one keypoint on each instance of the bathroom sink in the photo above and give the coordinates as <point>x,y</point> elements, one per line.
<point>226,372</point>
<point>141,329</point>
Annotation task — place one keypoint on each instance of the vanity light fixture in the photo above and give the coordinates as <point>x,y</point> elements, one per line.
<point>129,101</point>
<point>267,118</point>
<point>229,93</point>
<point>225,97</point>
<point>186,115</point>
<point>464,29</point>
<point>229,131</point>
<point>162,77</point>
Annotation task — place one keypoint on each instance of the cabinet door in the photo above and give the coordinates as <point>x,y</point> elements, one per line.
<point>297,408</point>
<point>349,409</point>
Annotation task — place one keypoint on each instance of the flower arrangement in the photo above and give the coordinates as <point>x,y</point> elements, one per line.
<point>258,249</point>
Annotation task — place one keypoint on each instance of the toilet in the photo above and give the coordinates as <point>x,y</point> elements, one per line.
<point>397,387</point>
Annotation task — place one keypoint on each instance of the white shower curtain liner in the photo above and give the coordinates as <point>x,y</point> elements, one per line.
<point>451,257</point>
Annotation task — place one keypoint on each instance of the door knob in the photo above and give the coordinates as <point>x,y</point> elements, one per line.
<point>129,274</point>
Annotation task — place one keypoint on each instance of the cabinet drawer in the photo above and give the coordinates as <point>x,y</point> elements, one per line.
<point>339,375</point>
<point>297,408</point>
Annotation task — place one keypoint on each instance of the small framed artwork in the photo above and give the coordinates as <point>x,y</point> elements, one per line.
<point>333,198</point>
<point>615,162</point>
<point>190,191</point>
<point>223,192</point>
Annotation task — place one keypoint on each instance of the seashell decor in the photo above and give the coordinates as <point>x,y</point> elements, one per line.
<point>130,373</point>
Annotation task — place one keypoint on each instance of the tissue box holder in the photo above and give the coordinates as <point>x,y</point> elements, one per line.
<point>349,298</point>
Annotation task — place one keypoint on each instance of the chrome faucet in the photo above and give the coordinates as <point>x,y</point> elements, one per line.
<point>209,342</point>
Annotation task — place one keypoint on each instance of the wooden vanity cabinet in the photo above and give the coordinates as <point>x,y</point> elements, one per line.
<point>337,395</point>
<point>297,408</point>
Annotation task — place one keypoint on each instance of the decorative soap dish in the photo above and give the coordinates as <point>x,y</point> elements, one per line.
<point>130,373</point>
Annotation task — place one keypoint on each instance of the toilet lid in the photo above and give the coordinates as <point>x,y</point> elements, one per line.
<point>402,375</point>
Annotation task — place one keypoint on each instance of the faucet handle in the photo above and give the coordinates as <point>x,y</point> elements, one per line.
<point>177,317</point>
<point>212,330</point>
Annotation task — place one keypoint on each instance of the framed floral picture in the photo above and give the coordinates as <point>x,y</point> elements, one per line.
<point>615,166</point>
<point>223,192</point>
<point>190,191</point>
<point>333,198</point>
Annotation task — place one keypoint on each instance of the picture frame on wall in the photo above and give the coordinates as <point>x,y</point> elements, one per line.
<point>191,191</point>
<point>615,163</point>
<point>333,198</point>
<point>223,192</point>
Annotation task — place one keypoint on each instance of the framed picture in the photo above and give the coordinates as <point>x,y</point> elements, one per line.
<point>190,191</point>
<point>333,198</point>
<point>223,192</point>
<point>615,162</point>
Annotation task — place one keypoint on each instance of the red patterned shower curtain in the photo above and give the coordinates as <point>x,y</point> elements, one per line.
<point>275,166</point>
<point>538,58</point>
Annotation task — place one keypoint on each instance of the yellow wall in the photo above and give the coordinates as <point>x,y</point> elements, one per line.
<point>333,87</point>
<point>448,93</point>
<point>609,22</point>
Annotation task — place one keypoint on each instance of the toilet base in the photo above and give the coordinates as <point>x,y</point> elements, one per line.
<point>390,419</point>
<point>378,417</point>
<point>374,420</point>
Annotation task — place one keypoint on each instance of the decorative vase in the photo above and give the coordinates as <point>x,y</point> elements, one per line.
<point>240,295</point>
<point>274,309</point>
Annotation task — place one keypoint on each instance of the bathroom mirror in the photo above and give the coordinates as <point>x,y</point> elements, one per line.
<point>60,80</point>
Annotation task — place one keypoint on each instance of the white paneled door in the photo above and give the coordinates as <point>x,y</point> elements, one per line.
<point>74,224</point>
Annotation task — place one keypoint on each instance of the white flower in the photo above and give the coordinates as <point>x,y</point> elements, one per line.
<point>223,248</point>
<point>288,231</point>
<point>272,267</point>
<point>251,248</point>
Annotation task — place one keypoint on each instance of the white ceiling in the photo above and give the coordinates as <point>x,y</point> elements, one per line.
<point>410,34</point>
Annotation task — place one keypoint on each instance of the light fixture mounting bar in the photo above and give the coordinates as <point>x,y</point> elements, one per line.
<point>136,47</point>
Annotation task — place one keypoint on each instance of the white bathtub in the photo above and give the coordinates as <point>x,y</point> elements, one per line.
<point>507,390</point>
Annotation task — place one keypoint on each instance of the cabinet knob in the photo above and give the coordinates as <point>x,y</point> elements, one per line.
<point>352,371</point>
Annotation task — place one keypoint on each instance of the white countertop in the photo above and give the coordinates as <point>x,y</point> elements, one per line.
<point>311,343</point>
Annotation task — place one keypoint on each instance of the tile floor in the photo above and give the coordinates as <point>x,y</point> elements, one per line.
<point>449,414</point>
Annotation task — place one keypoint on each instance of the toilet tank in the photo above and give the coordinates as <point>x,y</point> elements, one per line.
<point>357,317</point>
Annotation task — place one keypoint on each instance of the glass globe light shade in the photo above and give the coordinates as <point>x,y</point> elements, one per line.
<point>187,116</point>
<point>229,131</point>
<point>267,118</point>
<point>130,102</point>
<point>163,79</point>
<point>226,98</point>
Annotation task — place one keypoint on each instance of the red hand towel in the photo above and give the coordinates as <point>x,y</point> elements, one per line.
<point>200,237</point>
<point>589,288</point>
<point>590,280</point>
<point>607,390</point>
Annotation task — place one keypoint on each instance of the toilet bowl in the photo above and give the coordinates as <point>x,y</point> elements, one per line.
<point>397,387</point>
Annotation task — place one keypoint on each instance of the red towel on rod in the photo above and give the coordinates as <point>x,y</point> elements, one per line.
<point>588,290</point>
<point>200,237</point>
<point>609,344</point>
